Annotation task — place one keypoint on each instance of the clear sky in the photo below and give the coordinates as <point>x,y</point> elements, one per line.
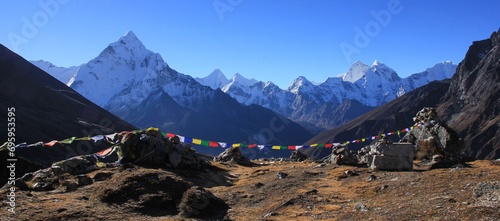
<point>262,39</point>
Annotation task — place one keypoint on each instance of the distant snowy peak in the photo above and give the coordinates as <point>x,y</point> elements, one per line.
<point>215,80</point>
<point>243,81</point>
<point>384,72</point>
<point>445,69</point>
<point>64,75</point>
<point>298,83</point>
<point>355,72</point>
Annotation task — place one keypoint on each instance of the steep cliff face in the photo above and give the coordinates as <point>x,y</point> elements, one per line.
<point>472,104</point>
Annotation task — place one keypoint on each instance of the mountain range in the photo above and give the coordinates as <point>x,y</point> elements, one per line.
<point>137,85</point>
<point>334,102</point>
<point>126,74</point>
<point>469,103</point>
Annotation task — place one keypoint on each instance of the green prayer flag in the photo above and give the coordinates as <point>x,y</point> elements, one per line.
<point>68,141</point>
<point>205,143</point>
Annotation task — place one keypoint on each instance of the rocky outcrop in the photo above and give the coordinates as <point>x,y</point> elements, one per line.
<point>471,105</point>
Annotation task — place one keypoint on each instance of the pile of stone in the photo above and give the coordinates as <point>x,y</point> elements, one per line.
<point>341,155</point>
<point>385,155</point>
<point>434,142</point>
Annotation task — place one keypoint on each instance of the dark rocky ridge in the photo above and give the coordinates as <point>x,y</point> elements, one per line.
<point>472,104</point>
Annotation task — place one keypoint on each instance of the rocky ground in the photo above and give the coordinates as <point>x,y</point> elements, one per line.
<point>268,190</point>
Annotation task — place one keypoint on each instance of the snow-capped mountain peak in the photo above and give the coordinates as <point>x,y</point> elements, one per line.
<point>355,72</point>
<point>214,80</point>
<point>243,81</point>
<point>298,83</point>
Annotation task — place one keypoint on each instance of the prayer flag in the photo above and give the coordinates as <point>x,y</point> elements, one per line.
<point>68,141</point>
<point>291,147</point>
<point>298,147</point>
<point>236,145</point>
<point>276,147</point>
<point>328,145</point>
<point>197,141</point>
<point>51,143</point>
<point>205,143</point>
<point>170,135</point>
<point>213,144</point>
<point>253,145</point>
<point>222,144</point>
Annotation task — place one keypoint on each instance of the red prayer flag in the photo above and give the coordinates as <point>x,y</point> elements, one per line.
<point>292,147</point>
<point>170,135</point>
<point>328,145</point>
<point>213,144</point>
<point>252,145</point>
<point>51,143</point>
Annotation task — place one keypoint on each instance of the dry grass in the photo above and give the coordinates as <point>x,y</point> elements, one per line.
<point>307,193</point>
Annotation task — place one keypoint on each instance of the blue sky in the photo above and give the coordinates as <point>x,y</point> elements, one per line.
<point>266,40</point>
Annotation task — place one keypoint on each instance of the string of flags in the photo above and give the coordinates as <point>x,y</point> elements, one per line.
<point>183,139</point>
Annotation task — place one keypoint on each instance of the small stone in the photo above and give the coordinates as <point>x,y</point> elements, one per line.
<point>84,180</point>
<point>281,175</point>
<point>371,178</point>
<point>360,207</point>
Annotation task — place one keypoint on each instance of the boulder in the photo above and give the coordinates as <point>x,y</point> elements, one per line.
<point>298,156</point>
<point>233,154</point>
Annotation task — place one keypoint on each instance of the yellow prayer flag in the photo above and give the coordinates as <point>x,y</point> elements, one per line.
<point>314,145</point>
<point>236,145</point>
<point>197,141</point>
<point>152,129</point>
<point>276,147</point>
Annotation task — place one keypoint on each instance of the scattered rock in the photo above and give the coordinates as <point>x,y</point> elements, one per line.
<point>84,180</point>
<point>313,191</point>
<point>371,178</point>
<point>101,176</point>
<point>259,185</point>
<point>320,165</point>
<point>359,207</point>
<point>488,194</point>
<point>350,173</point>
<point>69,185</point>
<point>281,175</point>
<point>383,187</point>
